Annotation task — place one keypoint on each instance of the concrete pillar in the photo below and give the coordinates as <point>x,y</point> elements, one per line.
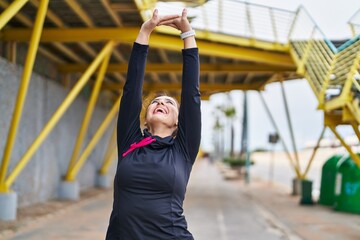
<point>103,181</point>
<point>8,206</point>
<point>69,190</point>
<point>296,186</point>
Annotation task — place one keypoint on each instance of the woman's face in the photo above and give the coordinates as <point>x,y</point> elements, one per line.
<point>163,110</point>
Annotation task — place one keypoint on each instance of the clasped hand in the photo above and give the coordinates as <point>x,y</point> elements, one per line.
<point>178,22</point>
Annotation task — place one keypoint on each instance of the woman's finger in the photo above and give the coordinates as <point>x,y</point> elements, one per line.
<point>155,14</point>
<point>168,17</point>
<point>174,26</point>
<point>184,13</point>
<point>165,22</point>
<point>171,25</point>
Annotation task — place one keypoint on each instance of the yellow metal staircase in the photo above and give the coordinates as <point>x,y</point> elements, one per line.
<point>333,74</point>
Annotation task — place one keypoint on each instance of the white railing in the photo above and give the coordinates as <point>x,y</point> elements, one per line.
<point>237,18</point>
<point>354,23</point>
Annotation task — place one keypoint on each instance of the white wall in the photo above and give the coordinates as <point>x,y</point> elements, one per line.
<point>39,180</point>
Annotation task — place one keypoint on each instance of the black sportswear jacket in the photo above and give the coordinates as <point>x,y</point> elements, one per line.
<point>150,182</point>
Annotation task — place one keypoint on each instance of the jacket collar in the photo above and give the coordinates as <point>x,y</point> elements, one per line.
<point>160,142</point>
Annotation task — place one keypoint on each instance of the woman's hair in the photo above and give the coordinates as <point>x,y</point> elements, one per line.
<point>147,101</point>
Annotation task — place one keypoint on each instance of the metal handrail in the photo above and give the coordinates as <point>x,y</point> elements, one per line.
<point>240,19</point>
<point>354,23</point>
<point>298,20</point>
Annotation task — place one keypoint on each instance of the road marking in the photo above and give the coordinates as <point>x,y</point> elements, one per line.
<point>221,223</point>
<point>275,223</point>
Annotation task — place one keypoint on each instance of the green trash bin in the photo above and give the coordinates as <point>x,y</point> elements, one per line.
<point>347,187</point>
<point>328,176</point>
<point>306,192</point>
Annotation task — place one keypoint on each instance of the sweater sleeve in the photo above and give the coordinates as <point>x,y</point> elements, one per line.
<point>189,127</point>
<point>128,125</point>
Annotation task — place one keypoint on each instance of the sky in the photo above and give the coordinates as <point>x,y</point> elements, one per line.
<point>331,17</point>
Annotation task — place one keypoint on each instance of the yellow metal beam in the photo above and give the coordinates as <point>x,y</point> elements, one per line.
<point>11,52</point>
<point>110,153</point>
<point>51,56</point>
<point>229,39</point>
<point>273,78</point>
<point>25,81</point>
<point>19,16</point>
<point>50,14</point>
<point>28,22</point>
<point>128,35</point>
<point>89,110</point>
<point>10,11</point>
<point>346,90</point>
<point>226,51</point>
<point>76,7</point>
<point>172,87</point>
<point>335,103</point>
<point>175,67</point>
<point>57,115</point>
<point>229,78</point>
<point>165,59</point>
<point>108,7</point>
<point>71,175</point>
<point>305,56</point>
<point>108,160</point>
<point>353,155</point>
<point>143,5</point>
<point>355,126</point>
<point>69,53</point>
<point>123,7</point>
<point>304,175</point>
<point>353,108</point>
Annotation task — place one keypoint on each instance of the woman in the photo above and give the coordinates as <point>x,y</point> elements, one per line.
<point>154,167</point>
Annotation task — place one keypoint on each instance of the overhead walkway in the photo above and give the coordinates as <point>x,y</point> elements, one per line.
<point>243,46</point>
<point>332,72</point>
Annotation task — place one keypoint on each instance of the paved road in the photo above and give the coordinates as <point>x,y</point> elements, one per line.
<point>218,209</point>
<point>215,210</point>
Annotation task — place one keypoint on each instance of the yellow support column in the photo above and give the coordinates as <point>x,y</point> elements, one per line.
<point>103,179</point>
<point>313,154</point>
<point>58,114</point>
<point>111,150</point>
<point>11,52</point>
<point>89,110</point>
<point>25,80</point>
<point>355,126</point>
<point>71,175</point>
<point>108,160</point>
<point>353,155</point>
<point>10,11</point>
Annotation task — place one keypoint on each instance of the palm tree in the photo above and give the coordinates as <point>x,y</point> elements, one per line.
<point>229,112</point>
<point>218,143</point>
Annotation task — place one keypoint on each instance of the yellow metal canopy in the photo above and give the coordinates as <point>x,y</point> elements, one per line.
<point>74,30</point>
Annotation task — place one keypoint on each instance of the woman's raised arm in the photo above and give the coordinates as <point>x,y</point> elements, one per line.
<point>189,128</point>
<point>128,128</point>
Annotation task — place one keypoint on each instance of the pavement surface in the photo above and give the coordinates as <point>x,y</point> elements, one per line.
<point>216,209</point>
